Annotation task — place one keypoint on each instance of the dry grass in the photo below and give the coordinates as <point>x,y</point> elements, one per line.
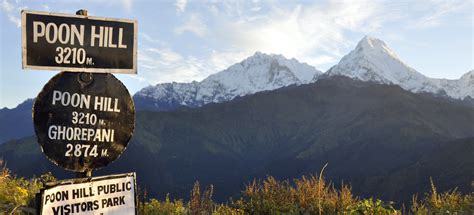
<point>449,202</point>
<point>307,195</point>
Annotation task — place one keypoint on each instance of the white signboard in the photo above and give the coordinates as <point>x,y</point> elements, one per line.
<point>101,195</point>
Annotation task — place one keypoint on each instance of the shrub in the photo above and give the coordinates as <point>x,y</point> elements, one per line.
<point>167,207</point>
<point>308,195</point>
<point>268,197</point>
<point>226,210</point>
<point>18,192</point>
<point>201,204</point>
<point>373,207</point>
<point>449,202</point>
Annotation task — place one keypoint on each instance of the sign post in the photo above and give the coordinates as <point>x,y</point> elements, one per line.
<point>83,124</point>
<point>113,194</point>
<point>84,117</point>
<point>78,43</point>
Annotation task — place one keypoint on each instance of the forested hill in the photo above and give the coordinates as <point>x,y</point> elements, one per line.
<point>383,140</point>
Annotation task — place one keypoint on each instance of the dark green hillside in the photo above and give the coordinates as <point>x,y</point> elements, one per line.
<point>450,164</point>
<point>373,136</point>
<point>16,122</point>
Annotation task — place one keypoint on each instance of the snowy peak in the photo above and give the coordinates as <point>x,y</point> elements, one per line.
<point>258,72</point>
<point>468,77</point>
<point>302,71</point>
<point>466,85</point>
<point>373,60</point>
<point>460,88</point>
<point>371,45</point>
<point>263,72</point>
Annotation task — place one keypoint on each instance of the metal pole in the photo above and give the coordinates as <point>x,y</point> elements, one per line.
<point>86,78</point>
<point>85,174</point>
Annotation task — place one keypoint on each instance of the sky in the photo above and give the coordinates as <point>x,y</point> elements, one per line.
<point>186,40</point>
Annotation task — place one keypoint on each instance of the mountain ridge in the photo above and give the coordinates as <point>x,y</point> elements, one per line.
<point>373,60</point>
<point>256,73</point>
<point>16,122</point>
<point>365,131</point>
<point>369,61</point>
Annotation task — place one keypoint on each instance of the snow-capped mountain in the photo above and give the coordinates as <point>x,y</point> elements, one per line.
<point>460,88</point>
<point>259,72</point>
<point>373,60</point>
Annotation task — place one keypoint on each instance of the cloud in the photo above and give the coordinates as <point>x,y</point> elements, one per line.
<point>437,11</point>
<point>165,65</point>
<point>193,24</point>
<point>180,5</point>
<point>152,39</point>
<point>318,33</point>
<point>127,5</point>
<point>310,34</point>
<point>12,11</point>
<point>320,59</point>
<point>305,32</point>
<point>166,56</point>
<point>220,60</point>
<point>46,7</point>
<point>159,65</point>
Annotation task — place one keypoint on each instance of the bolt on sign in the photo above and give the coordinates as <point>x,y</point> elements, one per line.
<point>83,122</point>
<point>113,194</point>
<point>52,41</point>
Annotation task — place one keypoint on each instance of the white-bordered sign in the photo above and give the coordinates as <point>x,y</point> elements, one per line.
<point>114,194</point>
<point>53,41</point>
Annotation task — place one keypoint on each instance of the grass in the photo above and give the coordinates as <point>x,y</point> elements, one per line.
<point>307,195</point>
